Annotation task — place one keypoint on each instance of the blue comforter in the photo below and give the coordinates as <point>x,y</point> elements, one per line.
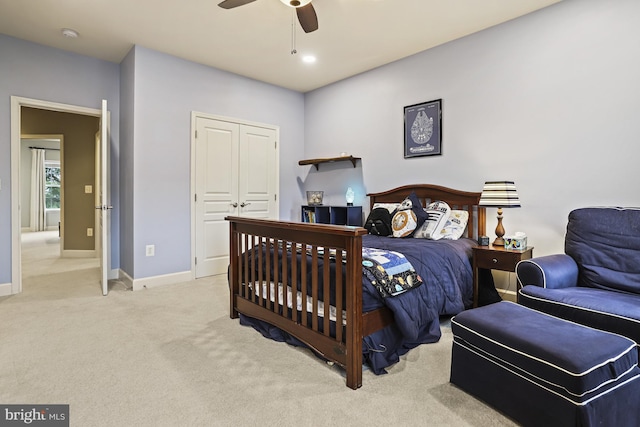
<point>447,289</point>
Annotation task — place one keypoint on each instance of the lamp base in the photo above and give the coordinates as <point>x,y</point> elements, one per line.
<point>499,231</point>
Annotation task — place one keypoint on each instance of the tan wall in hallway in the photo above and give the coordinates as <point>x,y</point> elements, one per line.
<point>78,164</point>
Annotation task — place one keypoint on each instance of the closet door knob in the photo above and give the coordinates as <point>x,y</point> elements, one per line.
<point>235,205</point>
<point>245,204</point>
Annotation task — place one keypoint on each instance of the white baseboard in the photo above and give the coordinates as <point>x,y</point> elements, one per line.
<point>155,281</point>
<point>135,284</point>
<point>78,254</point>
<point>125,278</point>
<point>5,289</point>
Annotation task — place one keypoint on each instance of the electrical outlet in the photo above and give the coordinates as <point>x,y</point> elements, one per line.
<point>88,189</point>
<point>89,232</point>
<point>151,250</point>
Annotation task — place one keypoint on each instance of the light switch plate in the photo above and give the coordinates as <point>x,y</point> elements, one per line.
<point>88,189</point>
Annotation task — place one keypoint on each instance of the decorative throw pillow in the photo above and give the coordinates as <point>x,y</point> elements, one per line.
<point>413,202</point>
<point>456,224</point>
<point>403,223</point>
<point>379,222</point>
<point>391,207</point>
<point>437,215</point>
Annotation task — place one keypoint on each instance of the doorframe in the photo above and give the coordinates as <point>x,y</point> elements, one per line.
<point>194,116</point>
<point>16,103</point>
<point>60,139</point>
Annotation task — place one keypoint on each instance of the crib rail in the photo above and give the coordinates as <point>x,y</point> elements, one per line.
<point>262,287</point>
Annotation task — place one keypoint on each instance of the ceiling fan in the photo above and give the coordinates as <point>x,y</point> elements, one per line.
<point>304,9</point>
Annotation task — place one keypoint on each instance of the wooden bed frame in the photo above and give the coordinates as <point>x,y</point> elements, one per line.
<point>345,243</point>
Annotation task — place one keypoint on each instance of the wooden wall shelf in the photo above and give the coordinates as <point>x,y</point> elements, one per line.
<point>317,162</point>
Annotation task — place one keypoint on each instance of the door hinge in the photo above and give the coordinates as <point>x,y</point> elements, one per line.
<point>275,145</point>
<point>196,133</point>
<point>275,197</point>
<point>195,197</point>
<point>196,260</point>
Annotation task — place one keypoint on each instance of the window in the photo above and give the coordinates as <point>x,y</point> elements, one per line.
<point>52,185</point>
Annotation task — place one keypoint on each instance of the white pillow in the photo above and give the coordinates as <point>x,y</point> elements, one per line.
<point>457,222</point>
<point>437,216</point>
<point>403,223</point>
<point>391,207</point>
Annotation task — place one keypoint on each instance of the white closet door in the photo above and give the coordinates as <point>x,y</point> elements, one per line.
<point>236,174</point>
<point>216,193</point>
<point>258,172</point>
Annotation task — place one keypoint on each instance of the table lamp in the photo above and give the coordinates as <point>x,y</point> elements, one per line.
<point>499,194</point>
<point>350,196</point>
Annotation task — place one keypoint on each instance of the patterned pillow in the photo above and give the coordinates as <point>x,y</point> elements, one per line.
<point>456,224</point>
<point>403,223</point>
<point>438,214</point>
<point>413,202</point>
<point>391,207</point>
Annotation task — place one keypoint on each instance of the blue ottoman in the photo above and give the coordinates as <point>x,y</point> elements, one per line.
<point>544,371</point>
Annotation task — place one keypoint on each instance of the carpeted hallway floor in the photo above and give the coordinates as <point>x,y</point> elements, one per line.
<point>171,356</point>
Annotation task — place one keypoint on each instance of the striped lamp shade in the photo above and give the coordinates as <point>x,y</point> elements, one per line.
<point>499,194</point>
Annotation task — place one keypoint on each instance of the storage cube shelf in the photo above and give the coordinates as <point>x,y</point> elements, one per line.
<point>338,215</point>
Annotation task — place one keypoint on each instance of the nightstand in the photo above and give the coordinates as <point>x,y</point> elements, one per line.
<point>496,258</point>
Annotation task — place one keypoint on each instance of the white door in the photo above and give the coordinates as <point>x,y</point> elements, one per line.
<point>235,174</point>
<point>104,208</point>
<point>258,173</point>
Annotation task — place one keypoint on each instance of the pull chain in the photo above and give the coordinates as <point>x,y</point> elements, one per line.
<point>293,33</point>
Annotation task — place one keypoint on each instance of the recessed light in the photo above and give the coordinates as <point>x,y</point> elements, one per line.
<point>68,32</point>
<point>309,59</point>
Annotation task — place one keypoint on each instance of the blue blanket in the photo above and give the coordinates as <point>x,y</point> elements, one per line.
<point>389,271</point>
<point>445,269</point>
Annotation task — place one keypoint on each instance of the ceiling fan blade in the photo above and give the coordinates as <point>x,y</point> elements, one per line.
<point>307,18</point>
<point>230,4</point>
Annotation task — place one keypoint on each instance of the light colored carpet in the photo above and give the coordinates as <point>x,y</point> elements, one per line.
<point>171,356</point>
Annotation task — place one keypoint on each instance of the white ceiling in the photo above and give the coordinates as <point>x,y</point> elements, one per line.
<point>255,40</point>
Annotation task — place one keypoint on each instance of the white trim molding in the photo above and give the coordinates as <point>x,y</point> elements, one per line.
<point>155,281</point>
<point>16,103</point>
<point>5,289</point>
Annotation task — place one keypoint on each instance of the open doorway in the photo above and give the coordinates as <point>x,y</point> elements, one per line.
<point>42,201</point>
<point>75,231</point>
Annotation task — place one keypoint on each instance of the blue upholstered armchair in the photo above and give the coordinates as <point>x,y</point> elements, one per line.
<point>596,282</point>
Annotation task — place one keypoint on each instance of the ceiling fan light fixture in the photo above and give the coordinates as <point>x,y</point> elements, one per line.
<point>296,3</point>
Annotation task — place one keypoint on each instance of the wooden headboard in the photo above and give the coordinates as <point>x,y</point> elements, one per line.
<point>427,193</point>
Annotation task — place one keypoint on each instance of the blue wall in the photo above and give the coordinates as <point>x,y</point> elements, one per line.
<point>34,71</point>
<point>167,90</point>
<point>549,100</point>
<point>150,173</point>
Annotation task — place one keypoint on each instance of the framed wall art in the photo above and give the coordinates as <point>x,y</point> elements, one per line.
<point>423,129</point>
